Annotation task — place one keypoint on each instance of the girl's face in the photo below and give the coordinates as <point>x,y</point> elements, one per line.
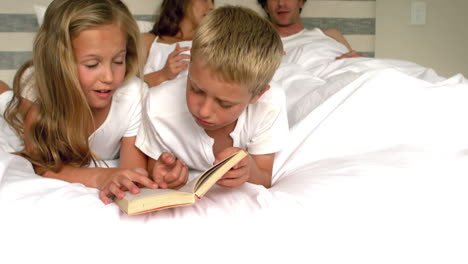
<point>199,9</point>
<point>100,56</point>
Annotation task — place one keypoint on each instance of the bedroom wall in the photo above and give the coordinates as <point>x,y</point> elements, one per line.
<point>440,44</point>
<point>356,19</point>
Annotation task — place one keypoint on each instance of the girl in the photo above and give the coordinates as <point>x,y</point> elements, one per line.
<point>167,44</point>
<point>77,102</point>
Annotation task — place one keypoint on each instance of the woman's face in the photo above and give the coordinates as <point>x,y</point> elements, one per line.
<point>198,9</point>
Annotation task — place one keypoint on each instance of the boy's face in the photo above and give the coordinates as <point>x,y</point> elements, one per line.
<point>214,103</point>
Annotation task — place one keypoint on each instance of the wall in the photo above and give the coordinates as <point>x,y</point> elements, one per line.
<point>356,19</point>
<point>440,44</point>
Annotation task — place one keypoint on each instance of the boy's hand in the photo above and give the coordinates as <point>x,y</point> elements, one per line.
<point>239,174</point>
<point>169,172</point>
<point>116,181</point>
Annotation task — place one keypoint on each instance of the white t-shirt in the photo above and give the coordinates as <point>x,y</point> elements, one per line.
<point>123,120</point>
<point>168,126</point>
<point>158,54</point>
<point>311,47</point>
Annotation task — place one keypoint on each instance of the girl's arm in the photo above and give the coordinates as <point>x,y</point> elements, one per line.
<point>110,181</point>
<point>130,155</point>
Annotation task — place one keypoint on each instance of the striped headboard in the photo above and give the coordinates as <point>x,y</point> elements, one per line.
<point>18,24</point>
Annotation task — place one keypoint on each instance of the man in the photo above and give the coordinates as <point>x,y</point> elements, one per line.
<point>285,16</point>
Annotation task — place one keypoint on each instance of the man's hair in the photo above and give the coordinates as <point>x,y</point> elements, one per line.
<point>263,3</point>
<point>239,46</point>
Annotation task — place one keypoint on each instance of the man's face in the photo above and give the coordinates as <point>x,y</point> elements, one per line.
<point>284,13</point>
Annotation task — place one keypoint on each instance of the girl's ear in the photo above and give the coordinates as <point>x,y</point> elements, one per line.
<point>256,97</point>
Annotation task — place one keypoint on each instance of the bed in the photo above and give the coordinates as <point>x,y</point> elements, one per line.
<point>375,171</point>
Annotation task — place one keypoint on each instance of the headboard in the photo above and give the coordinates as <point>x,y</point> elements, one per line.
<point>18,24</point>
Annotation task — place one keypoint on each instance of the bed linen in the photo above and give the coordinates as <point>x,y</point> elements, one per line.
<point>375,171</point>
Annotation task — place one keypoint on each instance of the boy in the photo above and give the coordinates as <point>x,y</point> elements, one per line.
<point>225,103</point>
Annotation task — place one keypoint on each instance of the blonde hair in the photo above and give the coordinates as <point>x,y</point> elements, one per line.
<point>239,46</point>
<point>59,135</point>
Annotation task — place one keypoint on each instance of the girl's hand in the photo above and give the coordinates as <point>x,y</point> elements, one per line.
<point>116,181</point>
<point>169,172</point>
<point>176,62</point>
<point>239,174</point>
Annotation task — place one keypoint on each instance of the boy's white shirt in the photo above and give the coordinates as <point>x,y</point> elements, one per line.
<point>168,126</point>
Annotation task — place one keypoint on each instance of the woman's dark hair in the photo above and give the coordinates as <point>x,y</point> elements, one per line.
<point>170,15</point>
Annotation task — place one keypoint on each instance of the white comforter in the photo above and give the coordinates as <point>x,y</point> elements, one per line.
<point>375,172</point>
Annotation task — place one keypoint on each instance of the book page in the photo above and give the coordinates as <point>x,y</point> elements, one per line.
<point>209,178</point>
<point>195,183</point>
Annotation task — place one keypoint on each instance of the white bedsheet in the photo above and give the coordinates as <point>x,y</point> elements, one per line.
<point>375,172</point>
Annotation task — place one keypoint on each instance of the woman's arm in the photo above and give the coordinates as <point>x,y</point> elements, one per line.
<point>4,87</point>
<point>175,63</point>
<point>147,40</point>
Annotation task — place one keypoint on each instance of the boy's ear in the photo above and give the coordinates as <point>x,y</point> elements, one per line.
<point>256,97</point>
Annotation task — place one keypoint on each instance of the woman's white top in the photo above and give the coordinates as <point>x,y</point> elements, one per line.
<point>158,54</point>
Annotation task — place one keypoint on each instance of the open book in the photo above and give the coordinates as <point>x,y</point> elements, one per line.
<point>156,199</point>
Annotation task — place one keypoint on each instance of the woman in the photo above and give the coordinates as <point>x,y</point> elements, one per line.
<point>167,45</point>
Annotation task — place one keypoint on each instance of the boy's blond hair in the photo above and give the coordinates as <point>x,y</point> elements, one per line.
<point>239,46</point>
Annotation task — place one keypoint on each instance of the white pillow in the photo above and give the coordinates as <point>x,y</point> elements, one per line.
<point>144,26</point>
<point>40,11</point>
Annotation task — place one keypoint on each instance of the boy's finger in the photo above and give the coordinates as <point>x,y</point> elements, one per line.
<point>168,159</point>
<point>182,179</point>
<point>229,183</point>
<point>159,180</point>
<point>175,173</point>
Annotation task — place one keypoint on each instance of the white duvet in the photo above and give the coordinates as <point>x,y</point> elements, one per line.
<point>375,172</point>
